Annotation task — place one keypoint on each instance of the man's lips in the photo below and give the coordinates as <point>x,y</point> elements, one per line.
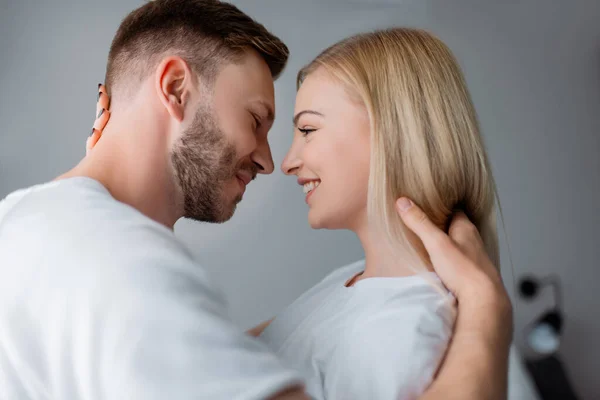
<point>246,178</point>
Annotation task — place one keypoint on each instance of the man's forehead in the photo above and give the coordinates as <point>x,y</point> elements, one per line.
<point>248,82</point>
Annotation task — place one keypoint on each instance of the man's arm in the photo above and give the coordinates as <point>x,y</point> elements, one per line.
<point>476,364</point>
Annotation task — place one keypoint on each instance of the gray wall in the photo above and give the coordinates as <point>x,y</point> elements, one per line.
<point>534,72</point>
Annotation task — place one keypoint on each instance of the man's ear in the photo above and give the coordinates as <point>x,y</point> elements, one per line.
<point>174,85</point>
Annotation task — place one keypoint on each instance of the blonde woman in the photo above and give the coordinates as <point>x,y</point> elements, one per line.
<point>379,116</point>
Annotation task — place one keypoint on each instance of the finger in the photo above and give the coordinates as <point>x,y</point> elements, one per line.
<point>447,260</point>
<point>102,88</point>
<point>462,231</point>
<point>102,93</point>
<point>468,239</point>
<point>417,221</point>
<point>466,236</point>
<point>101,120</point>
<point>459,222</point>
<point>102,102</point>
<point>92,140</point>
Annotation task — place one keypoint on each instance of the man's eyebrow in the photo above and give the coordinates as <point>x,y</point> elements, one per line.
<point>268,108</point>
<point>301,113</point>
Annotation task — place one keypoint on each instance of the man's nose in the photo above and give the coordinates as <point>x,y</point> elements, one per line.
<point>263,159</point>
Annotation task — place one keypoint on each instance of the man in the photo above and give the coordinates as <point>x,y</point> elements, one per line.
<point>98,299</point>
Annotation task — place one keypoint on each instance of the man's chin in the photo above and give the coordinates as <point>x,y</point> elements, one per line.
<point>225,216</point>
<point>227,213</point>
<point>217,215</point>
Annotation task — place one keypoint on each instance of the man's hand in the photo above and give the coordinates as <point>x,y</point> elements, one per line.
<point>476,363</point>
<point>459,258</point>
<point>102,116</point>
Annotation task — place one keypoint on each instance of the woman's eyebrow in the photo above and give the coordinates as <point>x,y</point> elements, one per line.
<point>301,113</point>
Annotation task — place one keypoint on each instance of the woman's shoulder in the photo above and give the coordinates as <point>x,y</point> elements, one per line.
<point>406,306</point>
<point>398,342</point>
<point>342,274</point>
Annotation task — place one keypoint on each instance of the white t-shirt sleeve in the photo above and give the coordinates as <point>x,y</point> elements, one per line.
<point>171,339</point>
<point>392,355</point>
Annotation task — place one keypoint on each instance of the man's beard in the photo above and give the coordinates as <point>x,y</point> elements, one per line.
<point>204,163</point>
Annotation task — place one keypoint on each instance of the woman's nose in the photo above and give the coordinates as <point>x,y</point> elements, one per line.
<point>291,163</point>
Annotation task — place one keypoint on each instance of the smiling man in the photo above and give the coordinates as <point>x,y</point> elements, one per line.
<point>100,300</point>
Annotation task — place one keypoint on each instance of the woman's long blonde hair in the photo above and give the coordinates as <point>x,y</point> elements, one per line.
<point>425,137</point>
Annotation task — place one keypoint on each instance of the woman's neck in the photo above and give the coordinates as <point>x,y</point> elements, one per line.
<point>383,260</point>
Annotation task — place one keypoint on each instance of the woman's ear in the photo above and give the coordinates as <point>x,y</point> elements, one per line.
<point>174,84</point>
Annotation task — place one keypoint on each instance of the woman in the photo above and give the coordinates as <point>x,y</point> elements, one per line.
<point>379,116</point>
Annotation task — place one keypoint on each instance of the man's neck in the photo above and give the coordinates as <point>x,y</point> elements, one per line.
<point>134,165</point>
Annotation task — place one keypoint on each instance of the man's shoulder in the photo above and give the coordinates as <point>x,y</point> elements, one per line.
<point>78,210</point>
<point>77,230</point>
<point>67,201</point>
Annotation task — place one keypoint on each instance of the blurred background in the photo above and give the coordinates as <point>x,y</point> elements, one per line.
<point>533,68</point>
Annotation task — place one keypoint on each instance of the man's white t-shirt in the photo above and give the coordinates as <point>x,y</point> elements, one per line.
<point>382,338</point>
<point>98,301</point>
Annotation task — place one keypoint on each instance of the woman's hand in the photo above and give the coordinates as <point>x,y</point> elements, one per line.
<point>102,116</point>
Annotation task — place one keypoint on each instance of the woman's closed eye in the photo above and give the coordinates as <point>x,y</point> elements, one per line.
<point>306,131</point>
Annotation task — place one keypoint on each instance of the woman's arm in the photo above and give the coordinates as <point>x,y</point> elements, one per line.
<point>476,365</point>
<point>257,330</point>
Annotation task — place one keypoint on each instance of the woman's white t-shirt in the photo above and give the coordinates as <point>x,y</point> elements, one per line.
<point>382,338</point>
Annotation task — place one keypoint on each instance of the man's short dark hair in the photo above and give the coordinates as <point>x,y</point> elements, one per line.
<point>205,33</point>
